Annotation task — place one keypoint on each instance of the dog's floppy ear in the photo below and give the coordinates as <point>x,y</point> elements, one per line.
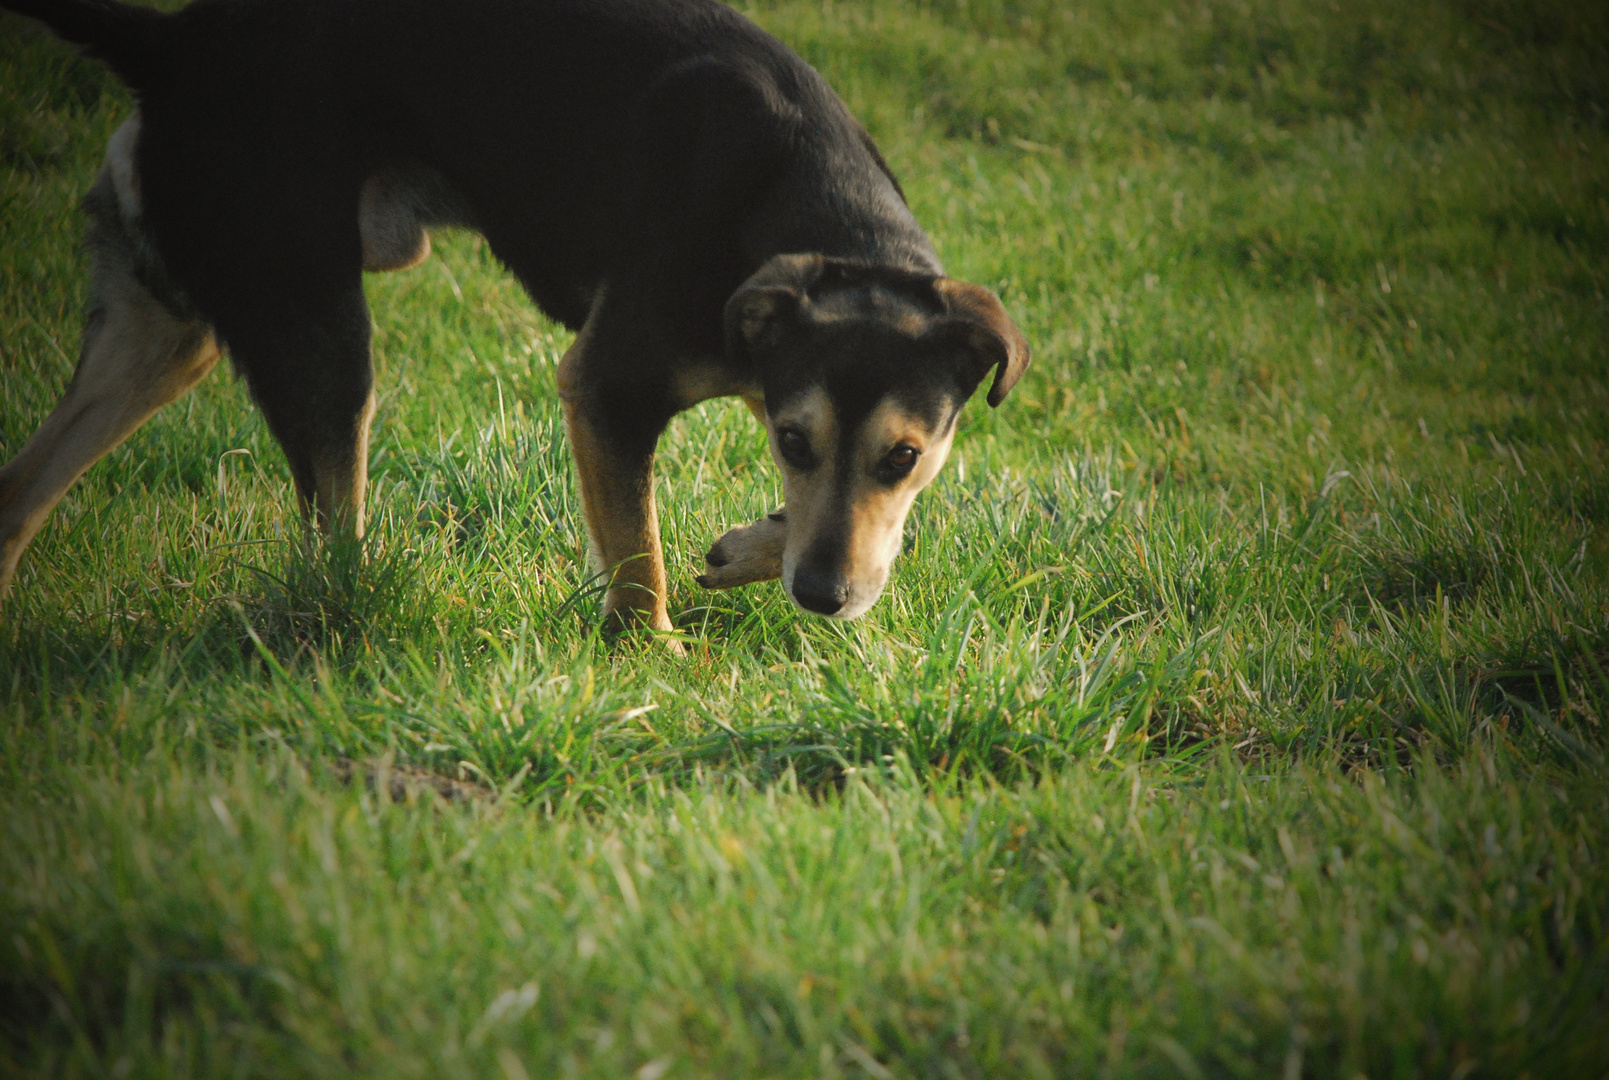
<point>777,289</point>
<point>989,331</point>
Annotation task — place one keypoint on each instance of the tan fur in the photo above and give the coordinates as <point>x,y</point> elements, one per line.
<point>868,515</point>
<point>876,513</point>
<point>341,480</point>
<point>137,356</point>
<point>617,500</point>
<point>394,237</point>
<point>746,554</point>
<point>812,413</point>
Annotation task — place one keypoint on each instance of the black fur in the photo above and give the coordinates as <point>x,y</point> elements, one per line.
<point>660,150</point>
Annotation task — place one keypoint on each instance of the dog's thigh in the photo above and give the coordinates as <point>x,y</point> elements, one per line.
<point>393,231</point>
<point>138,354</point>
<point>747,554</point>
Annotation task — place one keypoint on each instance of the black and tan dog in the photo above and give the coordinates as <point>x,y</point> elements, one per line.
<point>661,176</point>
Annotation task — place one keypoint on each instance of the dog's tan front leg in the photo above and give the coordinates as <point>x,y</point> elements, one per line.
<point>747,554</point>
<point>617,498</point>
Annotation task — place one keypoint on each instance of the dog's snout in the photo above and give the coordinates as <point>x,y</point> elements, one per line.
<point>823,593</point>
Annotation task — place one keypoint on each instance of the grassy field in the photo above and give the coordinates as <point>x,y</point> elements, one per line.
<point>1236,709</point>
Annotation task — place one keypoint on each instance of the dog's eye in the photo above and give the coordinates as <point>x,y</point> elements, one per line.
<point>795,448</point>
<point>899,461</point>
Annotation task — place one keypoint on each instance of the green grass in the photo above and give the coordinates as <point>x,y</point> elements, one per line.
<point>1236,709</point>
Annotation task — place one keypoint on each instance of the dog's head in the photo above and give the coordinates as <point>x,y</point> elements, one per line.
<point>865,371</point>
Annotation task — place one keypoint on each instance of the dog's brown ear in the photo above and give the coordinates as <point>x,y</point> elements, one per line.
<point>774,291</point>
<point>989,331</point>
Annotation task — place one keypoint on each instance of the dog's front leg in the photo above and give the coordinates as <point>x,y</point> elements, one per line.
<point>617,497</point>
<point>747,554</point>
<point>616,477</point>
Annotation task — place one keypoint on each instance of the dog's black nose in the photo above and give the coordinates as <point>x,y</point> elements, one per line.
<point>822,593</point>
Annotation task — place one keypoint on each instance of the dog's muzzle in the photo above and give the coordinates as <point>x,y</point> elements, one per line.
<point>823,593</point>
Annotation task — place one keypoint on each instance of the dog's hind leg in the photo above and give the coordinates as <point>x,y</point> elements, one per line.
<point>138,354</point>
<point>307,362</point>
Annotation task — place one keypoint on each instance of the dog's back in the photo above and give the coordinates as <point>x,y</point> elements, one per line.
<point>575,134</point>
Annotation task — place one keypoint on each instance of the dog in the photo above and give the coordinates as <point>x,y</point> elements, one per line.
<point>662,176</point>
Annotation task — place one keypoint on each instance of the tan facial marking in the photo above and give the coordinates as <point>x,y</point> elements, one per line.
<point>811,413</point>
<point>855,513</point>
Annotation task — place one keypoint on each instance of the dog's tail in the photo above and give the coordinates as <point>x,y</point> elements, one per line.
<point>128,38</point>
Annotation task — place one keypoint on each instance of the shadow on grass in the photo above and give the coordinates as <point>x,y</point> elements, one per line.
<point>331,596</point>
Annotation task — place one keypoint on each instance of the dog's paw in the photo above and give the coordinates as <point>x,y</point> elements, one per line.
<point>746,554</point>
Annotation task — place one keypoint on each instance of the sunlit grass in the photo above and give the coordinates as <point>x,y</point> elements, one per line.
<point>1235,707</point>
